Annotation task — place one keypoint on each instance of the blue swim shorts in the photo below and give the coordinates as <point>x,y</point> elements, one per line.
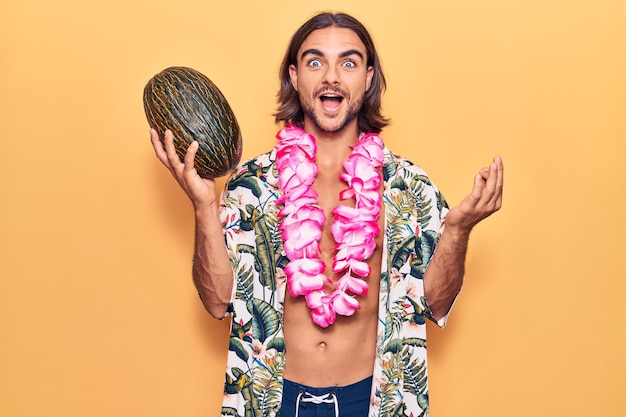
<point>350,401</point>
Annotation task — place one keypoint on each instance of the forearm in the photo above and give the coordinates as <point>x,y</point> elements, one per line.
<point>444,276</point>
<point>212,272</point>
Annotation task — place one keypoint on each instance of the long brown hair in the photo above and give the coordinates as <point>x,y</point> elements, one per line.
<point>289,110</point>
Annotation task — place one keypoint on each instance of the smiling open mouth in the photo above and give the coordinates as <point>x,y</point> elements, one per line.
<point>331,101</point>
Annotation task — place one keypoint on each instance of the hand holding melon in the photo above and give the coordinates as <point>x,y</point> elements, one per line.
<point>189,104</point>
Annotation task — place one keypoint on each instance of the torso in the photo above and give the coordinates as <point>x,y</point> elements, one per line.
<point>344,352</point>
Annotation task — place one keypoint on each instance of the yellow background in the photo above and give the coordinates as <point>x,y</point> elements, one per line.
<point>98,315</point>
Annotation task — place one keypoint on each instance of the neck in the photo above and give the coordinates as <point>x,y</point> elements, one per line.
<point>333,147</point>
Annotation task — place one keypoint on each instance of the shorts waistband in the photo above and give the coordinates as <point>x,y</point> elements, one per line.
<point>362,386</point>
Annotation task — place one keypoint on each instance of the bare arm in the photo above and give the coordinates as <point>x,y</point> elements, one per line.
<point>444,276</point>
<point>212,273</point>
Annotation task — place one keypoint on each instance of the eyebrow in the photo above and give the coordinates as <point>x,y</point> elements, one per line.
<point>319,53</point>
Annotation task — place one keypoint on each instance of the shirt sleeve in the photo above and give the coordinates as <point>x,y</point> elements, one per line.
<point>440,209</point>
<point>230,217</point>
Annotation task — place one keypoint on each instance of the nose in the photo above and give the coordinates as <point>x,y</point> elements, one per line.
<point>331,76</point>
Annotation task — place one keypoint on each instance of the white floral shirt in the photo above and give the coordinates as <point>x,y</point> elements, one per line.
<point>414,213</point>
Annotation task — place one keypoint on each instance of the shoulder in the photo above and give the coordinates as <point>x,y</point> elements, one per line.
<point>252,185</point>
<point>399,167</point>
<point>259,169</point>
<point>258,166</point>
<point>402,175</point>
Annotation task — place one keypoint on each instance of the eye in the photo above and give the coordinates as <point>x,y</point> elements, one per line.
<point>315,63</point>
<point>349,64</point>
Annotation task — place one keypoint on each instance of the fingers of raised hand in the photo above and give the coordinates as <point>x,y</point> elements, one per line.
<point>190,156</point>
<point>500,180</point>
<point>487,192</point>
<point>159,150</point>
<point>165,150</point>
<point>484,200</point>
<point>486,195</point>
<point>173,159</point>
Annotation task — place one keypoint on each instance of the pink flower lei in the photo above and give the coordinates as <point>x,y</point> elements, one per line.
<point>354,228</point>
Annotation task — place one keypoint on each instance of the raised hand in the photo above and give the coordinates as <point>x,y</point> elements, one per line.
<point>211,270</point>
<point>444,276</point>
<point>484,200</point>
<point>201,191</point>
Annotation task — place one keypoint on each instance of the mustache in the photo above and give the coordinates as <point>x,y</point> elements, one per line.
<point>335,90</point>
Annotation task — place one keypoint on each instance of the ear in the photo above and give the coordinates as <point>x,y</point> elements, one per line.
<point>368,79</point>
<point>293,74</point>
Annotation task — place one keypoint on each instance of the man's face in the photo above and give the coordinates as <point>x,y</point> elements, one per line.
<point>331,78</point>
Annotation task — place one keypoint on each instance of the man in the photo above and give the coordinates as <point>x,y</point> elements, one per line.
<point>348,227</point>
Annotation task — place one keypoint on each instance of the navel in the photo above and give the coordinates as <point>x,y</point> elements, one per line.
<point>322,345</point>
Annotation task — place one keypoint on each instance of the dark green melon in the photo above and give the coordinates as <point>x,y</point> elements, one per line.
<point>189,104</point>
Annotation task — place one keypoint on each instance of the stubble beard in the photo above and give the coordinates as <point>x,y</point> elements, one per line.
<point>308,108</point>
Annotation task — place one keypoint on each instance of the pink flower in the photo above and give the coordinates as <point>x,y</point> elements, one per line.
<point>363,180</point>
<point>301,235</point>
<point>351,223</point>
<point>411,291</point>
<point>355,266</point>
<point>357,243</point>
<point>356,286</point>
<point>345,304</point>
<point>258,349</point>
<point>295,176</point>
<point>301,195</point>
<point>317,298</point>
<point>356,235</point>
<point>280,277</point>
<point>323,316</point>
<point>305,275</point>
<point>357,252</point>
<point>359,168</point>
<point>321,305</point>
<point>395,277</point>
<point>371,146</point>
